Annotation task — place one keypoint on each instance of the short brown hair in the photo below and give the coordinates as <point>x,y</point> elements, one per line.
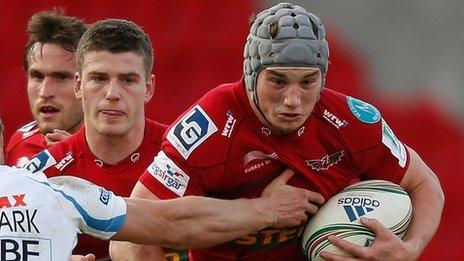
<point>116,36</point>
<point>53,27</point>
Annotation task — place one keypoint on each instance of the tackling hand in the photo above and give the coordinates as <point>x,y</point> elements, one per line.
<point>290,205</point>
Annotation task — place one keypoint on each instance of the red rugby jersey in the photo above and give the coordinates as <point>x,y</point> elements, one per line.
<point>219,148</point>
<point>73,157</point>
<point>24,144</point>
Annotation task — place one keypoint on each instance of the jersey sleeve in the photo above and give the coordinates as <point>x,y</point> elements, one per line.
<point>387,160</point>
<point>42,162</point>
<point>95,210</point>
<point>377,152</point>
<point>166,179</point>
<point>193,152</point>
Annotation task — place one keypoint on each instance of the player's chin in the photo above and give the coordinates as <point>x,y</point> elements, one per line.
<point>112,129</point>
<point>47,127</point>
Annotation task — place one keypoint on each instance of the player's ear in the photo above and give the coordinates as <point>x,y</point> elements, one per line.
<point>149,88</point>
<point>77,86</point>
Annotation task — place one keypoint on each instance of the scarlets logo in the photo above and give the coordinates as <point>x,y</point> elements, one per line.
<point>326,162</point>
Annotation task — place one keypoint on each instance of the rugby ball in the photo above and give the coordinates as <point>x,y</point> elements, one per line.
<point>340,216</point>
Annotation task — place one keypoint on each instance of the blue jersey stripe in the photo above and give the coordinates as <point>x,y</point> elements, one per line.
<point>106,225</point>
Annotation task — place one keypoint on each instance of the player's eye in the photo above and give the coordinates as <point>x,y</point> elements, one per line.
<point>36,75</point>
<point>278,82</point>
<point>98,78</point>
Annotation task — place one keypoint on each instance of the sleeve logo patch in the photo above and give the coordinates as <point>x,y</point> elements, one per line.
<point>169,174</point>
<point>104,196</point>
<point>40,162</point>
<point>364,111</point>
<point>391,141</point>
<point>194,128</point>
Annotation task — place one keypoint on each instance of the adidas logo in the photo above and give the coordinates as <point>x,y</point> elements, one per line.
<point>355,212</point>
<point>356,207</point>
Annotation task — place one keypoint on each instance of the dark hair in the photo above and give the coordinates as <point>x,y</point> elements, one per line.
<point>53,27</point>
<point>116,36</point>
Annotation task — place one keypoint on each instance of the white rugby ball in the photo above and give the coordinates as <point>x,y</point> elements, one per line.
<point>340,216</point>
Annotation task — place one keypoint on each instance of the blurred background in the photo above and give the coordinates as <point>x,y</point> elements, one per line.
<point>406,57</point>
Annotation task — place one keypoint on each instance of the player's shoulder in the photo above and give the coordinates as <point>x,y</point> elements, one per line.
<point>203,133</point>
<point>358,122</point>
<point>155,130</point>
<point>24,133</point>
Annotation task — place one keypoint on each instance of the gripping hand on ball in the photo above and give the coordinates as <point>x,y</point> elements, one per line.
<point>386,246</point>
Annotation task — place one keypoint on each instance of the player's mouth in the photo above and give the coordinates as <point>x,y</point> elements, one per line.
<point>112,113</point>
<point>48,110</point>
<point>289,116</point>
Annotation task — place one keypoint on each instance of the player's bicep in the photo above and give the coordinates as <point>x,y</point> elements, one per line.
<point>417,172</point>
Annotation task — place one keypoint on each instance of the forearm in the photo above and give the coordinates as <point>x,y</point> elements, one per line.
<point>193,222</point>
<point>427,200</point>
<point>205,221</point>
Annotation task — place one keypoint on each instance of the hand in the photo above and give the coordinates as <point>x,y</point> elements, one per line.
<point>56,136</point>
<point>386,246</point>
<point>289,205</point>
<point>88,257</point>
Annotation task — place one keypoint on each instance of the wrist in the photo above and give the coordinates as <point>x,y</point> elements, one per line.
<point>263,210</point>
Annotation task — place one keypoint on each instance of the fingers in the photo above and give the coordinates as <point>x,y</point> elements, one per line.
<point>56,136</point>
<point>375,226</point>
<point>315,197</point>
<point>284,177</point>
<point>334,257</point>
<point>90,257</point>
<point>349,247</point>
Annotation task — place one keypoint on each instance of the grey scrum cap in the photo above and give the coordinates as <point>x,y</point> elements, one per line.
<point>284,35</point>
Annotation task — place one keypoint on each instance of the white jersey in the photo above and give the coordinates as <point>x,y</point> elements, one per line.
<point>40,218</point>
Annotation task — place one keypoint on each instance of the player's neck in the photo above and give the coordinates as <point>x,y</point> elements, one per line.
<point>112,149</point>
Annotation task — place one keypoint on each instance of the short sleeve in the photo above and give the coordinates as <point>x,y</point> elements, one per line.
<point>97,211</point>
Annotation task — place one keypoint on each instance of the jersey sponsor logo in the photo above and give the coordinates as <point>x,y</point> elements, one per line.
<point>229,125</point>
<point>18,221</point>
<point>325,162</point>
<point>22,248</point>
<point>264,159</point>
<point>356,207</point>
<point>40,162</point>
<point>334,120</point>
<point>364,111</point>
<point>12,201</point>
<point>65,161</point>
<point>194,128</point>
<point>396,147</point>
<point>169,174</point>
<point>269,238</point>
<point>105,195</point>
